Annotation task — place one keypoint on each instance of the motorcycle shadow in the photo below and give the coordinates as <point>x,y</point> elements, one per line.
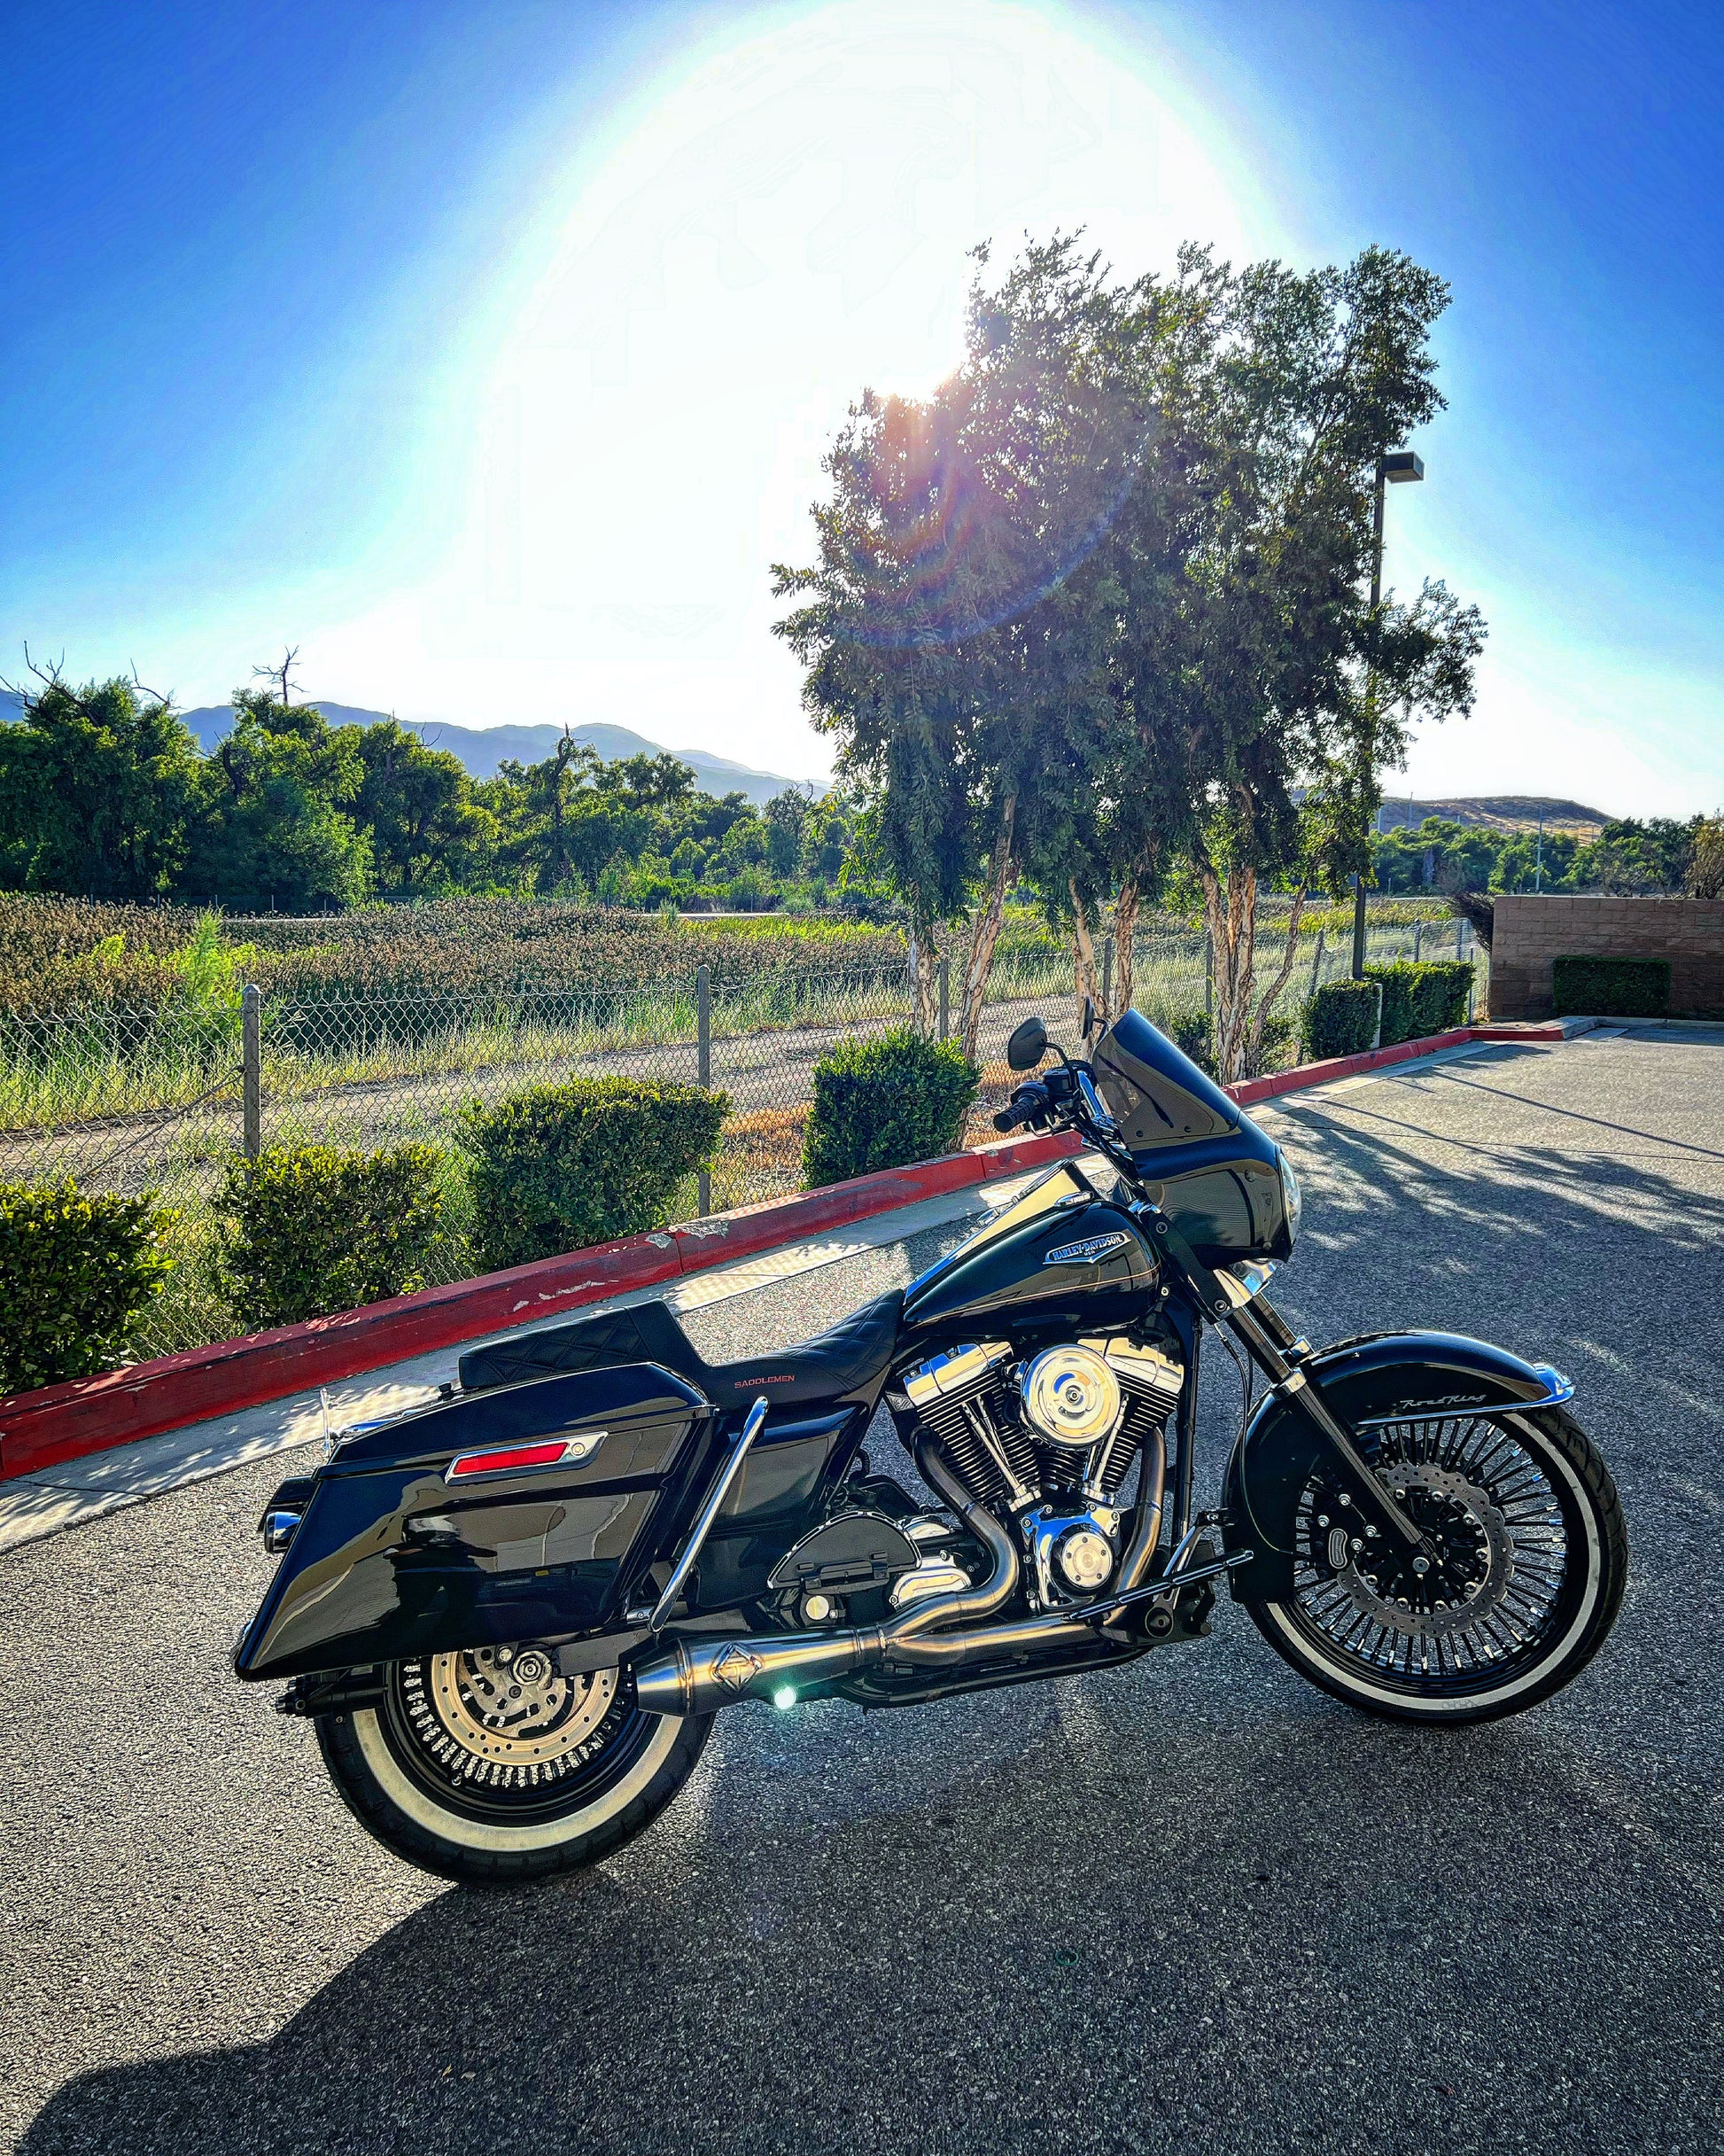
<point>826,1948</point>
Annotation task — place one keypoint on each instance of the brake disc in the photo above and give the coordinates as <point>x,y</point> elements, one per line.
<point>506,1705</point>
<point>1464,1581</point>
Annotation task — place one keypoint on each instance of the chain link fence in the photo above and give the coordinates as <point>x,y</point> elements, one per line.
<point>165,1101</point>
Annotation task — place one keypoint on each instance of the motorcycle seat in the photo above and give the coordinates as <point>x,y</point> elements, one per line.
<point>848,1362</point>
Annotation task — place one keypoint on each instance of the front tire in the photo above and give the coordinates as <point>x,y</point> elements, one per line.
<point>489,1768</point>
<point>1532,1556</point>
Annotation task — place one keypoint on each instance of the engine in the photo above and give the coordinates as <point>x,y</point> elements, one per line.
<point>1051,1441</point>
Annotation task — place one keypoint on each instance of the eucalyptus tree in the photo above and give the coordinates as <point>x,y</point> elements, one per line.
<point>1263,689</point>
<point>958,623</point>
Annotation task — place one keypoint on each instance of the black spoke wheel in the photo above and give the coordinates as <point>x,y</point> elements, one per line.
<point>490,1767</point>
<point>1519,1584</point>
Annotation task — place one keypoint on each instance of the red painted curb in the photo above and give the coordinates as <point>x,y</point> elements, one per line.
<point>61,1422</point>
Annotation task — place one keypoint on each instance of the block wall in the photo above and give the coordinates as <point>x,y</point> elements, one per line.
<point>1530,932</point>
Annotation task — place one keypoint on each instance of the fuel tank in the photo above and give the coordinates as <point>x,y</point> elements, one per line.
<point>1061,1257</point>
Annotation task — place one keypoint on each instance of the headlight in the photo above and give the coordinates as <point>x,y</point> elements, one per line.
<point>1291,1201</point>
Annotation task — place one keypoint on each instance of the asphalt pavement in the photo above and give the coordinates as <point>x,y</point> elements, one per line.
<point>1191,1904</point>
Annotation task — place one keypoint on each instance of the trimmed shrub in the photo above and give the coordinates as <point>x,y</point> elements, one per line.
<point>75,1274</point>
<point>312,1230</point>
<point>557,1168</point>
<point>1193,1034</point>
<point>1611,987</point>
<point>1340,1019</point>
<point>1419,999</point>
<point>884,1102</point>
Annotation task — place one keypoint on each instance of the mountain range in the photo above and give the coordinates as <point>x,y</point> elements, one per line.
<point>481,748</point>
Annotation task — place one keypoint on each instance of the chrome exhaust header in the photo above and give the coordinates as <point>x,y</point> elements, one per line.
<point>699,1676</point>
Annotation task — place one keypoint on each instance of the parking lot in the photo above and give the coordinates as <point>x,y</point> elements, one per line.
<point>1189,1905</point>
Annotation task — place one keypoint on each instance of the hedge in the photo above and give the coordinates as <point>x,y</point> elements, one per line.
<point>312,1230</point>
<point>1419,999</point>
<point>1340,1019</point>
<point>885,1102</point>
<point>556,1168</point>
<point>1611,987</point>
<point>75,1274</point>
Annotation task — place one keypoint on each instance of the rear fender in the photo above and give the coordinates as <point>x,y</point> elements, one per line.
<point>1387,1377</point>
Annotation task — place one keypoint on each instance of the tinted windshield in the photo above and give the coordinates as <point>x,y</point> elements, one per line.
<point>1157,1095</point>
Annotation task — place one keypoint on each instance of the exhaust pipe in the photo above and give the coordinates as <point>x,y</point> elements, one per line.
<point>698,1677</point>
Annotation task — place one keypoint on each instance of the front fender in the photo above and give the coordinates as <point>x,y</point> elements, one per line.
<point>1386,1377</point>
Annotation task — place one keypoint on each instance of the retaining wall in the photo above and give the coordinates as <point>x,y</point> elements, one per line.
<point>1531,931</point>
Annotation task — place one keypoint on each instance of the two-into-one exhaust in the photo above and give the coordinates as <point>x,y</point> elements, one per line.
<point>945,1632</point>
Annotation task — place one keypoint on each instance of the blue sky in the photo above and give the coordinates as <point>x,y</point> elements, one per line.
<point>487,352</point>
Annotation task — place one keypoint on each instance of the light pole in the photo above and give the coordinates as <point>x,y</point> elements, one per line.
<point>1394,468</point>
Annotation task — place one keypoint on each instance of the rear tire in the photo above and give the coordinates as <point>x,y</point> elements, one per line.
<point>465,1776</point>
<point>1535,1558</point>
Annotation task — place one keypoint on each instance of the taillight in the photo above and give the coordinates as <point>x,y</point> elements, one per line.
<point>511,1458</point>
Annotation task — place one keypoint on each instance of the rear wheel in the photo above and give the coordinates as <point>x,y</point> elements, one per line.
<point>1526,1576</point>
<point>491,1768</point>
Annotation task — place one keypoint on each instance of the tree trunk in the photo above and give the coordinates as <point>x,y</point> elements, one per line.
<point>924,981</point>
<point>1255,1045</point>
<point>984,929</point>
<point>1231,915</point>
<point>1125,935</point>
<point>1085,980</point>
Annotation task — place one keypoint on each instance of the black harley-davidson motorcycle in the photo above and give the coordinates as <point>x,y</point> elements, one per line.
<point>512,1615</point>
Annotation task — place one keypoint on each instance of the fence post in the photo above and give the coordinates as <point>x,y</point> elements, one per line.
<point>1107,978</point>
<point>1316,962</point>
<point>1377,1032</point>
<point>1358,928</point>
<point>1419,938</point>
<point>1209,974</point>
<point>251,1049</point>
<point>945,995</point>
<point>1460,933</point>
<point>703,1064</point>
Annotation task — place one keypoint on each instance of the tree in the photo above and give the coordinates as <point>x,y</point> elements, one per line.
<point>1264,690</point>
<point>955,626</point>
<point>787,821</point>
<point>416,803</point>
<point>97,787</point>
<point>274,824</point>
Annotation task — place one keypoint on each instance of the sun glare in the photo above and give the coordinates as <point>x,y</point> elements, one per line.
<point>749,246</point>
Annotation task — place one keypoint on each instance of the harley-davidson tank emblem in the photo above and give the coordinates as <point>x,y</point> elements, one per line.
<point>1088,1251</point>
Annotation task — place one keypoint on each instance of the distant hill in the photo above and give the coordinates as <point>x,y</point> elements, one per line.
<point>1501,812</point>
<point>481,748</point>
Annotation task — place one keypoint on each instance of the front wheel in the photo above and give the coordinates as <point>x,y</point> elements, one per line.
<point>491,1768</point>
<point>1530,1557</point>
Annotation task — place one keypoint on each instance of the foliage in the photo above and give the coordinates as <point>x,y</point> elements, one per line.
<point>557,1168</point>
<point>1100,601</point>
<point>99,790</point>
<point>1627,856</point>
<point>883,1101</point>
<point>1706,870</point>
<point>1419,999</point>
<point>427,831</point>
<point>312,1230</point>
<point>1340,1019</point>
<point>75,1274</point>
<point>273,826</point>
<point>1611,987</point>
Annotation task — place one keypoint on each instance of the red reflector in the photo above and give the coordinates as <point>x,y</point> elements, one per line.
<point>506,1457</point>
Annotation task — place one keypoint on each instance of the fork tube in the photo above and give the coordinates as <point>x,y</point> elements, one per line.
<point>1185,1432</point>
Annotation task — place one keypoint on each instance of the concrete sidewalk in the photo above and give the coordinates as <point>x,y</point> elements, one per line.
<point>54,1499</point>
<point>32,1505</point>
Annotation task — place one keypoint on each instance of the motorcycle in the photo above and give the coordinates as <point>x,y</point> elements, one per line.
<point>513,1615</point>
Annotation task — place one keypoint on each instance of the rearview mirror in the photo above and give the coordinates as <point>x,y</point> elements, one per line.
<point>1027,1046</point>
